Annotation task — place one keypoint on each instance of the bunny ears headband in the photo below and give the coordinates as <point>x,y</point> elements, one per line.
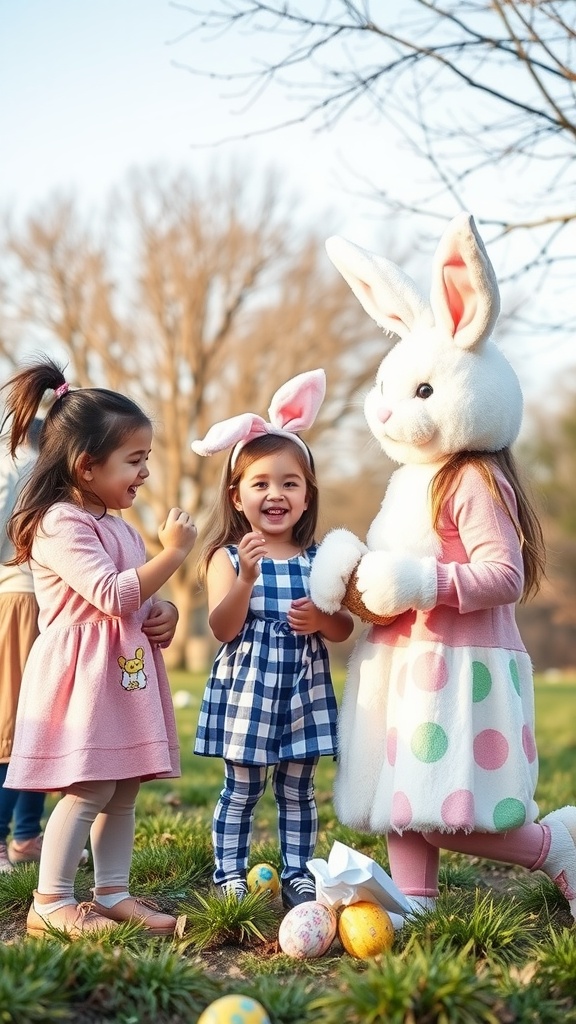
<point>293,407</point>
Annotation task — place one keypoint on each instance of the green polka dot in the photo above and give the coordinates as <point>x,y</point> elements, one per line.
<point>429,742</point>
<point>509,813</point>
<point>515,677</point>
<point>481,681</point>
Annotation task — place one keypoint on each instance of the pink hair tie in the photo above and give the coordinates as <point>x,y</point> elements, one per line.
<point>62,390</point>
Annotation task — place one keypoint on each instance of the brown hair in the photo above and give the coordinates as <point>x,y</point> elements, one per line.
<point>87,421</point>
<point>227,524</point>
<point>525,519</point>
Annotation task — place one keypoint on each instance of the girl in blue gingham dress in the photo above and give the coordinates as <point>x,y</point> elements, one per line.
<point>269,704</point>
<point>284,675</point>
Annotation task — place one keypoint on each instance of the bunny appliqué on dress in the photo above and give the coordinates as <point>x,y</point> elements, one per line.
<point>435,702</point>
<point>133,675</point>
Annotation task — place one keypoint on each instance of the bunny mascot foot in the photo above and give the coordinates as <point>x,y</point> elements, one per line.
<point>560,864</point>
<point>436,725</point>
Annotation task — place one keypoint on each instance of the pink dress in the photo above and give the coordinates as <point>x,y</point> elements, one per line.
<point>95,702</point>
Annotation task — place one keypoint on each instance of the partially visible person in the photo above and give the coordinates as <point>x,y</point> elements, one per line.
<point>95,715</point>
<point>18,630</point>
<point>20,810</point>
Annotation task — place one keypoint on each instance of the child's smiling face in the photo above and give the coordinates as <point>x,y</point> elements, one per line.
<point>272,494</point>
<point>116,481</point>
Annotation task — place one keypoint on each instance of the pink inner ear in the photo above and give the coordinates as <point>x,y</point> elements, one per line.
<point>460,295</point>
<point>295,405</point>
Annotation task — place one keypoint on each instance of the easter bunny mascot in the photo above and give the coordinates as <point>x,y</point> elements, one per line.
<point>436,730</point>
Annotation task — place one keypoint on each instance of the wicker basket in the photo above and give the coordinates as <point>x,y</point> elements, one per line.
<point>353,602</point>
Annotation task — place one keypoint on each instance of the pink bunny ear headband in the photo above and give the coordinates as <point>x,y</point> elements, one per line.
<point>294,407</point>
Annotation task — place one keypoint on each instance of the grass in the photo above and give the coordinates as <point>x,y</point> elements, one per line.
<point>489,952</point>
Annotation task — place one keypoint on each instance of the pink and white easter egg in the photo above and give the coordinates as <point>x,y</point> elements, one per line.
<point>307,930</point>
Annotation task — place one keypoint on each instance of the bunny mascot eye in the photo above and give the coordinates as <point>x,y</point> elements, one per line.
<point>424,391</point>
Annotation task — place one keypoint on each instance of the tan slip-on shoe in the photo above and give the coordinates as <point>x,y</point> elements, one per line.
<point>76,919</point>
<point>5,864</point>
<point>27,851</point>
<point>139,911</point>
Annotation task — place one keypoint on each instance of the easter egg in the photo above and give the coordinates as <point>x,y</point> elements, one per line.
<point>365,929</point>
<point>263,877</point>
<point>234,1010</point>
<point>307,930</point>
<point>353,601</point>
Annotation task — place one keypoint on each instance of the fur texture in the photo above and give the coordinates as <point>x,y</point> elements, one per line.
<point>444,388</point>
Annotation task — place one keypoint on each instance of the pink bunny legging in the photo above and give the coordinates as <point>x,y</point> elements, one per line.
<point>414,856</point>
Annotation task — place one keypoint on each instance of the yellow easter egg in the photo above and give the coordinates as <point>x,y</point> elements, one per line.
<point>234,1010</point>
<point>263,877</point>
<point>365,929</point>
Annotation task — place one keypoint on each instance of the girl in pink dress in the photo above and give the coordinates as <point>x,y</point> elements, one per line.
<point>95,713</point>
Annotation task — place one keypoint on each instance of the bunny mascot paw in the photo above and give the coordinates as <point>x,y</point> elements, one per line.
<point>391,583</point>
<point>335,561</point>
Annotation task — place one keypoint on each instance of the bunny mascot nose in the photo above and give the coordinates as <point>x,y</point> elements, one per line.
<point>383,413</point>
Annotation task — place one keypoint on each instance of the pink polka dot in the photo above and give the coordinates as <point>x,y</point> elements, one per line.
<point>458,809</point>
<point>401,680</point>
<point>490,749</point>
<point>529,744</point>
<point>392,745</point>
<point>401,815</point>
<point>430,671</point>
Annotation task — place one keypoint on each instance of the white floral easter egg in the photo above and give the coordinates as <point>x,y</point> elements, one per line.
<point>307,930</point>
<point>234,1010</point>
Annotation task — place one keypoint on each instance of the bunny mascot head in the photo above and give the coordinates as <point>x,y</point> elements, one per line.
<point>452,549</point>
<point>444,387</point>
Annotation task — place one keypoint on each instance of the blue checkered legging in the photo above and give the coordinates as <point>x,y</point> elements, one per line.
<point>293,785</point>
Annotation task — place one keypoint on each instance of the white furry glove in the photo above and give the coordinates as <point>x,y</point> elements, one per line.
<point>335,560</point>
<point>391,583</point>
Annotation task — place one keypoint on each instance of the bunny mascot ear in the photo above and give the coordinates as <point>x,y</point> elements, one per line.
<point>293,407</point>
<point>387,294</point>
<point>464,296</point>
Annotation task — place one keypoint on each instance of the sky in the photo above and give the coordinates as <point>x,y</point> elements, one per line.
<point>91,88</point>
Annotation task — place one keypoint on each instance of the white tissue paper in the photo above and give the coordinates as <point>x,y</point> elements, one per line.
<point>349,877</point>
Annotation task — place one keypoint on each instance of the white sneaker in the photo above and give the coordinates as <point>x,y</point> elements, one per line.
<point>560,864</point>
<point>421,904</point>
<point>237,887</point>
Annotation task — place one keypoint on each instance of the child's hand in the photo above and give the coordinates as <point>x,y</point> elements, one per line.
<point>178,531</point>
<point>160,625</point>
<point>251,549</point>
<point>304,616</point>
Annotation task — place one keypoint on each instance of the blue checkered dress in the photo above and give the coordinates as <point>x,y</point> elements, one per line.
<point>269,697</point>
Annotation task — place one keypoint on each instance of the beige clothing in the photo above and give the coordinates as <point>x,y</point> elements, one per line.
<point>18,631</point>
<point>13,475</point>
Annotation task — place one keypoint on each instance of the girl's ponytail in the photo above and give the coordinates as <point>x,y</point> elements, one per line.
<point>25,391</point>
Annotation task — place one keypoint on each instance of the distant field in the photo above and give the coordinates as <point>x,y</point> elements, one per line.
<point>197,791</point>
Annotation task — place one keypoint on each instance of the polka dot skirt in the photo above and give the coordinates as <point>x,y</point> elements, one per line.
<point>458,731</point>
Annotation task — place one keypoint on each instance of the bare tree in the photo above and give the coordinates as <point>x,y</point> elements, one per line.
<point>197,301</point>
<point>481,91</point>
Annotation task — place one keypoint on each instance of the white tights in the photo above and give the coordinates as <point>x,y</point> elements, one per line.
<point>106,812</point>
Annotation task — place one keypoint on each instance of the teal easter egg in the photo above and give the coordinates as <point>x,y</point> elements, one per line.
<point>234,1010</point>
<point>263,877</point>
